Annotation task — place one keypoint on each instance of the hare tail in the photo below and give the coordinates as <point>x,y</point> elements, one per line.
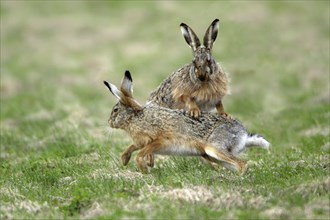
<point>256,140</point>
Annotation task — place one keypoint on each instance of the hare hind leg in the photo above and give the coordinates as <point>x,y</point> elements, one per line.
<point>210,161</point>
<point>228,160</point>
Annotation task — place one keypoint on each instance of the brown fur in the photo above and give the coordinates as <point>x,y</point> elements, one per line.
<point>198,86</point>
<point>211,91</point>
<point>158,130</point>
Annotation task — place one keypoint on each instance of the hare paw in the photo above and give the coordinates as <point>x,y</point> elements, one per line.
<point>224,114</point>
<point>142,165</point>
<point>195,112</point>
<point>143,168</point>
<point>150,160</point>
<point>243,168</point>
<point>125,158</point>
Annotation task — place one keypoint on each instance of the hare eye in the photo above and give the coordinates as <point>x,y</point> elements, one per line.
<point>115,110</point>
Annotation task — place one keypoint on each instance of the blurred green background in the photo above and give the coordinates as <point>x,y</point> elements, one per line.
<point>56,54</point>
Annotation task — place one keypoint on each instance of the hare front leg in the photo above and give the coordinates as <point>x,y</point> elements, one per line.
<point>126,156</point>
<point>150,160</point>
<point>221,110</point>
<point>146,151</point>
<point>191,105</point>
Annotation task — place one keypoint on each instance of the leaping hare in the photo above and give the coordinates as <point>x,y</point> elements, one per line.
<point>198,86</point>
<point>158,130</point>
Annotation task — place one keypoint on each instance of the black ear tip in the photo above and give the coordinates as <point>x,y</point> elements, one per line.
<point>107,85</point>
<point>216,22</point>
<point>128,75</point>
<point>183,25</point>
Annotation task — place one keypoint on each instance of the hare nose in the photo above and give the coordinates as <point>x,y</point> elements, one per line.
<point>202,78</point>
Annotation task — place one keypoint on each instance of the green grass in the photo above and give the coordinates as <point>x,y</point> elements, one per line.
<point>59,158</point>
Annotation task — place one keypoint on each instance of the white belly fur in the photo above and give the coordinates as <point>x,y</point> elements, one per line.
<point>179,150</point>
<point>207,105</point>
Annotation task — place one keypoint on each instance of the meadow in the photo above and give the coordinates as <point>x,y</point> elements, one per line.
<point>60,159</point>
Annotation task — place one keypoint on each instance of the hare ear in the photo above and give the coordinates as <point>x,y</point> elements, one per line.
<point>190,36</point>
<point>127,85</point>
<point>113,89</point>
<point>211,34</point>
<point>124,95</point>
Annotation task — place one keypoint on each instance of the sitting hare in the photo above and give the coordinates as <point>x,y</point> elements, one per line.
<point>158,130</point>
<point>198,86</point>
